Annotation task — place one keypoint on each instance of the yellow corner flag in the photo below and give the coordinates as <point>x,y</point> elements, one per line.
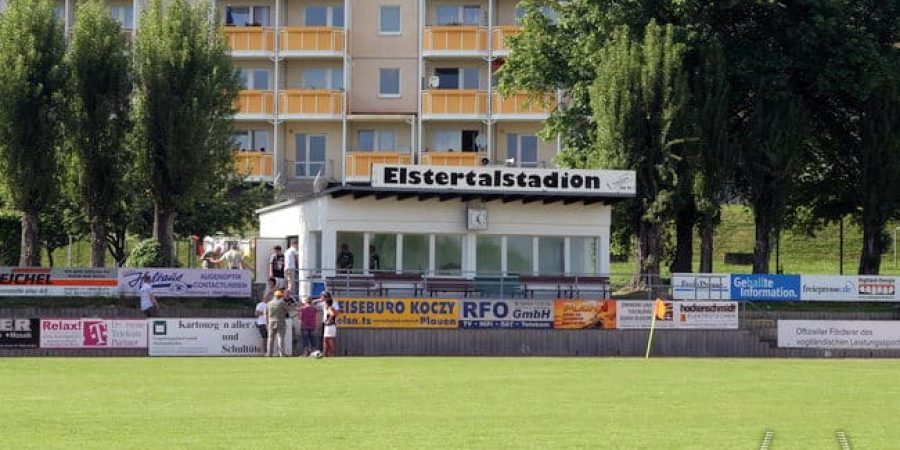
<point>660,309</point>
<point>659,312</point>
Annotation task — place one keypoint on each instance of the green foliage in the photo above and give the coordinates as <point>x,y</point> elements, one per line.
<point>10,230</point>
<point>147,253</point>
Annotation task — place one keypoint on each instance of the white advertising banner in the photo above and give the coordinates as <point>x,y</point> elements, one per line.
<point>93,333</point>
<point>839,334</point>
<point>681,315</point>
<point>849,288</point>
<point>712,286</point>
<point>209,337</point>
<point>188,282</point>
<point>58,282</point>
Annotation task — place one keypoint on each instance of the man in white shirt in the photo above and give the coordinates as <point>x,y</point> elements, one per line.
<point>261,323</point>
<point>291,267</point>
<point>233,259</point>
<point>149,305</point>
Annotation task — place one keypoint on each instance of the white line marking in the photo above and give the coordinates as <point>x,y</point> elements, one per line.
<point>843,440</point>
<point>767,440</point>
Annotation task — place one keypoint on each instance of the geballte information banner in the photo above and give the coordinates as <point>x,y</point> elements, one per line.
<point>209,337</point>
<point>188,282</point>
<point>617,183</point>
<point>839,334</point>
<point>398,313</point>
<point>58,282</point>
<point>93,333</point>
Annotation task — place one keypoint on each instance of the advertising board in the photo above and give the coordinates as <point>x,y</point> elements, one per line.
<point>765,287</point>
<point>19,333</point>
<point>93,333</point>
<point>680,315</point>
<point>188,282</point>
<point>209,337</point>
<point>712,286</point>
<point>58,282</point>
<point>398,313</point>
<point>506,314</point>
<point>583,314</point>
<point>839,334</point>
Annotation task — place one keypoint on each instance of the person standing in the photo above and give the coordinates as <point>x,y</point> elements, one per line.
<point>233,259</point>
<point>308,326</point>
<point>276,267</point>
<point>292,267</point>
<point>149,304</point>
<point>323,304</point>
<point>345,259</point>
<point>374,259</point>
<point>208,256</point>
<point>329,329</point>
<point>261,324</point>
<point>276,317</point>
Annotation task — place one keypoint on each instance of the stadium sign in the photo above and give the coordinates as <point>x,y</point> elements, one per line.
<point>188,282</point>
<point>712,286</point>
<point>584,314</point>
<point>839,335</point>
<point>680,315</point>
<point>19,333</point>
<point>506,314</point>
<point>209,337</point>
<point>765,287</point>
<point>93,333</point>
<point>58,282</point>
<point>398,313</point>
<point>504,179</point>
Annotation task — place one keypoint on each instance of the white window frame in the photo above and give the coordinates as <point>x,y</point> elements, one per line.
<point>457,139</point>
<point>399,93</point>
<point>251,79</point>
<point>329,77</point>
<point>461,77</point>
<point>381,29</point>
<point>460,15</point>
<point>377,134</point>
<point>307,162</point>
<point>252,11</point>
<point>329,15</point>
<point>518,149</point>
<point>250,135</point>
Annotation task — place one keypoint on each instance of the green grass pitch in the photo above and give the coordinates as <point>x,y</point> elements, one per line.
<point>482,403</point>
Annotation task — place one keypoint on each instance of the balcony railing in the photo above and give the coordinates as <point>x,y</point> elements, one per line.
<point>312,40</point>
<point>454,102</point>
<point>452,40</point>
<point>250,39</point>
<point>254,165</point>
<point>501,33</point>
<point>454,159</point>
<point>311,102</point>
<point>358,164</point>
<point>255,103</point>
<point>522,105</point>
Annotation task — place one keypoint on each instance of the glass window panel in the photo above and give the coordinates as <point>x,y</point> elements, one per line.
<point>239,16</point>
<point>585,255</point>
<point>387,140</point>
<point>241,140</point>
<point>448,254</point>
<point>528,150</point>
<point>389,82</point>
<point>551,251</point>
<point>487,255</point>
<point>367,140</point>
<point>301,161</point>
<point>448,15</point>
<point>317,148</point>
<point>261,79</point>
<point>316,16</point>
<point>261,140</point>
<point>384,249</point>
<point>337,79</point>
<point>471,78</point>
<point>314,169</point>
<point>337,16</point>
<point>354,244</point>
<point>447,78</point>
<point>512,146</point>
<point>471,15</point>
<point>415,253</point>
<point>245,78</point>
<point>519,255</point>
<point>315,78</point>
<point>261,16</point>
<point>445,140</point>
<point>389,19</point>
<point>520,12</point>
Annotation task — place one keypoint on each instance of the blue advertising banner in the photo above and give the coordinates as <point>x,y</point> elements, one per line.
<point>765,287</point>
<point>506,314</point>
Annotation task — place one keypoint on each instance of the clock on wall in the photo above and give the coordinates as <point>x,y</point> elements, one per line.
<point>477,219</point>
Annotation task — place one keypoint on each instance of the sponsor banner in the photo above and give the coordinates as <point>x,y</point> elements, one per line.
<point>93,333</point>
<point>209,337</point>
<point>839,334</point>
<point>58,282</point>
<point>680,315</point>
<point>877,288</point>
<point>188,282</point>
<point>504,179</point>
<point>713,286</point>
<point>398,313</point>
<point>506,314</point>
<point>829,288</point>
<point>19,333</point>
<point>582,314</point>
<point>765,287</point>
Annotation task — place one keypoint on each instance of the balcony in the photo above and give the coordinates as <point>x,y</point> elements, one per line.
<point>358,164</point>
<point>250,42</point>
<point>452,159</point>
<point>255,105</point>
<point>522,106</point>
<point>455,41</point>
<point>312,42</point>
<point>311,104</point>
<point>499,38</point>
<point>453,104</point>
<point>254,166</point>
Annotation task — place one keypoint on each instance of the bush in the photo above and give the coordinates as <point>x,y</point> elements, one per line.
<point>147,253</point>
<point>10,235</point>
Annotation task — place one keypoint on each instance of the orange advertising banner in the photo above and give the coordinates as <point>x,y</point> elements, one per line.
<point>583,314</point>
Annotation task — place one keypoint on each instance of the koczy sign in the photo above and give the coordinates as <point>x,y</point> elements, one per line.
<point>504,179</point>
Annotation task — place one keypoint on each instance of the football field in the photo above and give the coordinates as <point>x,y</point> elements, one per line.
<point>482,403</point>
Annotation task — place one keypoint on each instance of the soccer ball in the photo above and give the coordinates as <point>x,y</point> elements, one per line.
<point>315,354</point>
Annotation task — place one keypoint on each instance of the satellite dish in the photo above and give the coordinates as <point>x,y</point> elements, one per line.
<point>434,81</point>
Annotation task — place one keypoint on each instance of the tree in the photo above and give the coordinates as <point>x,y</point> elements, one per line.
<point>639,99</point>
<point>185,88</point>
<point>32,106</point>
<point>101,89</point>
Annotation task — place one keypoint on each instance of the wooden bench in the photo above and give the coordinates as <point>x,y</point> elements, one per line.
<point>349,284</point>
<point>391,280</point>
<point>598,285</point>
<point>464,286</point>
<point>560,285</point>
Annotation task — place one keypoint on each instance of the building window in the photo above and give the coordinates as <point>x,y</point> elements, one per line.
<point>585,255</point>
<point>311,149</point>
<point>256,140</point>
<point>488,255</point>
<point>548,12</point>
<point>388,19</point>
<point>354,245</point>
<point>324,16</point>
<point>520,254</point>
<point>377,140</point>
<point>255,79</point>
<point>523,149</point>
<point>551,259</point>
<point>448,254</point>
<point>456,140</point>
<point>241,140</point>
<point>454,15</point>
<point>248,16</point>
<point>389,82</point>
<point>124,14</point>
<point>383,252</point>
<point>415,253</point>
<point>458,78</point>
<point>317,78</point>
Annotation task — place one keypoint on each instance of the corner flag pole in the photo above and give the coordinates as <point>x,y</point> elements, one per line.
<point>659,311</point>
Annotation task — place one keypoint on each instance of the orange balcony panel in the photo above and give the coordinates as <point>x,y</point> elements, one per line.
<point>255,102</point>
<point>250,39</point>
<point>522,103</point>
<point>454,102</point>
<point>452,39</point>
<point>311,102</point>
<point>312,39</point>
<point>254,164</point>
<point>501,33</point>
<point>358,164</point>
<point>454,159</point>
